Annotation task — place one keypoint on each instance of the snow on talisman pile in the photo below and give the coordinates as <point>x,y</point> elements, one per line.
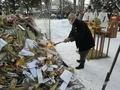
<point>28,61</point>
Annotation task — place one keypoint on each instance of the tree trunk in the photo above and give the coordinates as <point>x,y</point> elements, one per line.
<point>40,6</point>
<point>6,7</point>
<point>81,5</point>
<point>74,6</point>
<point>60,5</point>
<point>21,7</point>
<point>63,4</point>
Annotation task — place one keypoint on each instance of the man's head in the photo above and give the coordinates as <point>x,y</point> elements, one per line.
<point>89,9</point>
<point>71,17</point>
<point>104,8</point>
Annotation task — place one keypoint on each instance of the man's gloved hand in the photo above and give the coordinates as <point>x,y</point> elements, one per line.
<point>67,40</point>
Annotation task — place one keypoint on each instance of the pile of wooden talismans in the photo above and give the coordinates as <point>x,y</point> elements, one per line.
<point>28,61</point>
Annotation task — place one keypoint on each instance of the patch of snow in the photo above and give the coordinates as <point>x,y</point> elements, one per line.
<point>95,71</point>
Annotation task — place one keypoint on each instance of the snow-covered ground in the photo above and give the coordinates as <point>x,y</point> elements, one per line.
<point>95,71</point>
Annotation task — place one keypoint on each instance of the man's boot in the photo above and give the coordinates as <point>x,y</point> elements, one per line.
<point>81,66</point>
<point>78,61</point>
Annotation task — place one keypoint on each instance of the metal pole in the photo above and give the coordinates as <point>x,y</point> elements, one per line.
<point>112,66</point>
<point>49,19</point>
<point>108,46</point>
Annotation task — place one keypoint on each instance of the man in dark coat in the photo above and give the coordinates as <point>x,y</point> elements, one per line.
<point>82,36</point>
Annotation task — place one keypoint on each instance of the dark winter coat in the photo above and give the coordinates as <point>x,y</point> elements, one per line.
<point>82,36</point>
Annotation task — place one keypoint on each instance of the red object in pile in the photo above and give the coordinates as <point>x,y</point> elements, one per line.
<point>114,19</point>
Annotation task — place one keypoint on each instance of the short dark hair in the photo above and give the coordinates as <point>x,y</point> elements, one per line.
<point>104,7</point>
<point>89,7</point>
